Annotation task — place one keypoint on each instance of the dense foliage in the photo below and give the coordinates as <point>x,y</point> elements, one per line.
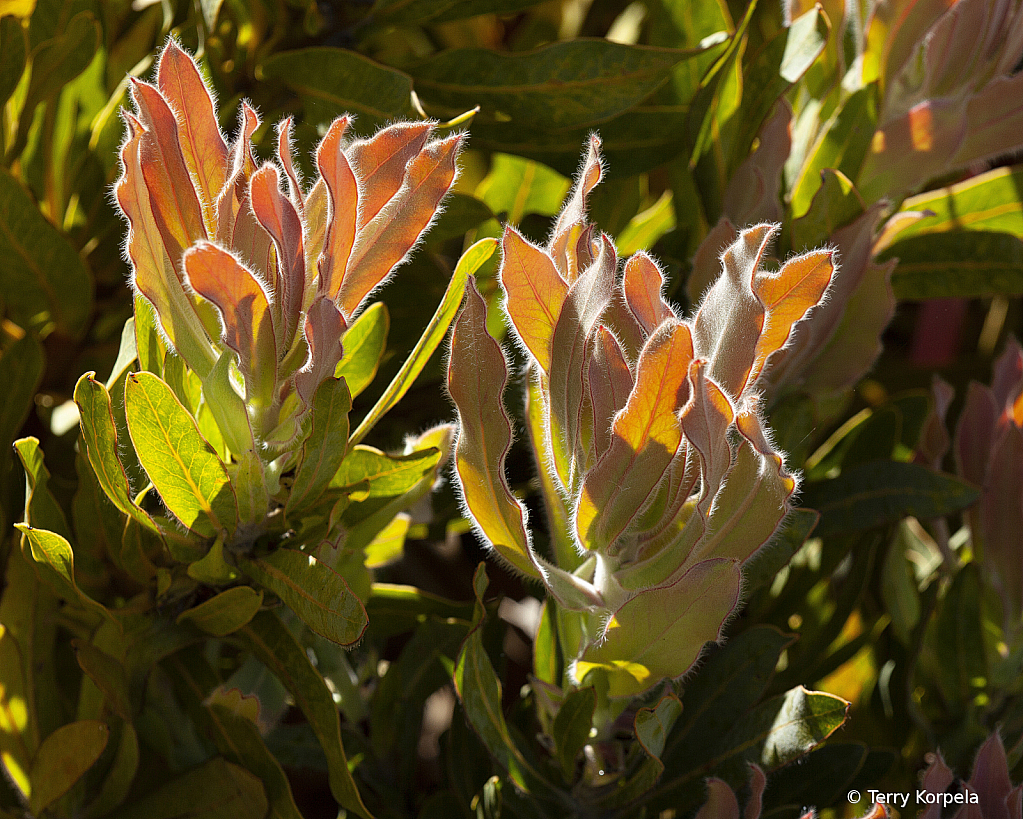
<point>356,456</point>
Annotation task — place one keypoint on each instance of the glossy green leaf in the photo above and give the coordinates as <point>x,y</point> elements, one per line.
<point>843,145</point>
<point>226,612</point>
<point>572,728</point>
<point>653,725</point>
<point>835,204</point>
<point>226,408</point>
<point>562,85</point>
<point>13,53</point>
<point>43,280</point>
<point>440,11</point>
<point>479,691</point>
<point>55,562</point>
<point>63,759</point>
<point>315,592</point>
<point>387,475</point>
<point>324,450</point>
<point>435,332</point>
<point>41,508</point>
<point>108,674</point>
<point>761,568</point>
<point>884,492</point>
<point>991,201</point>
<point>364,345</point>
<point>188,474</point>
<point>957,264</point>
<point>217,789</point>
<point>333,81</point>
<point>278,650</point>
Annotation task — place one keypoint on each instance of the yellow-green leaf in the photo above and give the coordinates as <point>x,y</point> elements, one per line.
<point>226,612</point>
<point>63,759</point>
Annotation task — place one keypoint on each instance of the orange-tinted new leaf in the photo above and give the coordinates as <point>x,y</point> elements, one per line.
<point>337,173</point>
<point>382,163</point>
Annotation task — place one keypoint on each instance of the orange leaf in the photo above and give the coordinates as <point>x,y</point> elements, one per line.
<point>477,376</point>
<point>279,218</point>
<point>645,437</point>
<point>705,420</point>
<point>534,294</point>
<point>284,154</point>
<point>202,143</point>
<point>344,207</point>
<point>171,192</point>
<point>610,382</point>
<point>383,244</point>
<point>152,273</point>
<point>643,284</point>
<point>573,214</point>
<point>245,311</point>
<point>382,163</point>
<point>233,199</point>
<point>788,296</point>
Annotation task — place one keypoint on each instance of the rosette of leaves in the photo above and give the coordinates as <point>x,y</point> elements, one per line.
<point>252,334</point>
<point>658,477</point>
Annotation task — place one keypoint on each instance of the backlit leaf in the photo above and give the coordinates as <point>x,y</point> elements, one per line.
<point>344,207</point>
<point>382,163</point>
<point>325,448</point>
<point>190,478</point>
<point>477,375</point>
<point>13,53</point>
<point>55,562</point>
<point>364,345</point>
<point>386,475</point>
<point>315,592</point>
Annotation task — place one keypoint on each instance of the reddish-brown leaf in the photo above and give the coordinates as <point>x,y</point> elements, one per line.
<point>643,284</point>
<point>284,154</point>
<point>610,382</point>
<point>279,218</point>
<point>385,241</point>
<point>324,327</point>
<point>344,207</point>
<point>573,214</point>
<point>382,163</point>
<point>534,294</point>
<point>705,420</point>
<point>477,376</point>
<point>233,199</point>
<point>244,308</point>
<point>202,143</point>
<point>174,201</point>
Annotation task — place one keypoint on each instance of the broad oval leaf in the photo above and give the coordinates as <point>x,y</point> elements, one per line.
<point>315,592</point>
<point>63,759</point>
<point>226,612</point>
<point>184,468</point>
<point>387,475</point>
<point>562,85</point>
<point>333,81</point>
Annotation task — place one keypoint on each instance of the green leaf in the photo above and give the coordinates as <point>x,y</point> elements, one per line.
<point>395,609</point>
<point>99,441</point>
<point>225,406</point>
<point>387,475</point>
<point>835,204</point>
<point>277,649</point>
<point>119,778</point>
<point>19,729</point>
<point>957,264</point>
<point>55,562</point>
<point>435,332</point>
<point>462,213</point>
<point>843,145</point>
<point>239,740</point>
<point>63,759</point>
<point>191,479</point>
<point>761,568</point>
<point>572,728</point>
<point>217,789</point>
<point>958,638</point>
<point>333,81</point>
<point>226,612</point>
<point>479,691</point>
<point>324,449</point>
<point>365,343</point>
<point>563,85</point>
<point>517,187</point>
<point>315,592</point>
<point>41,508</point>
<point>108,675</point>
<point>990,201</point>
<point>779,65</point>
<point>884,492</point>
<point>42,280</point>
<point>898,588</point>
<point>408,12</point>
<point>13,54</point>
